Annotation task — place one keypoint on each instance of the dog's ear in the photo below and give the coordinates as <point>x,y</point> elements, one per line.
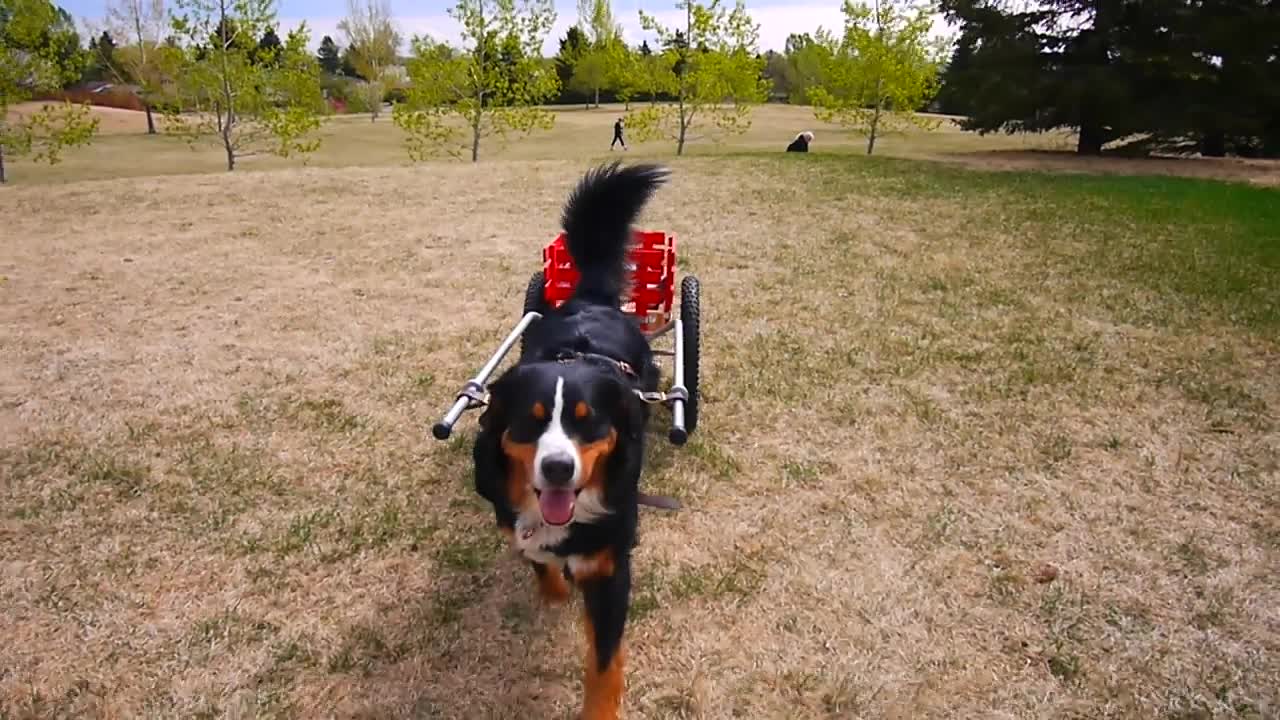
<point>494,417</point>
<point>489,459</point>
<point>628,411</point>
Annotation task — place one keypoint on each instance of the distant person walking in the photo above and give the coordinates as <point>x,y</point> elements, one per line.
<point>617,136</point>
<point>801,143</point>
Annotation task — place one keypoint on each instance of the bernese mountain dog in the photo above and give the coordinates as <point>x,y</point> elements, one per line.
<point>561,442</point>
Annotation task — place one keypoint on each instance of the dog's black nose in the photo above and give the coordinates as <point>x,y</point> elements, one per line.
<point>558,469</point>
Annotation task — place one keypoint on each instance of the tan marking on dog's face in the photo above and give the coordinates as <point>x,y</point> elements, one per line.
<point>539,411</point>
<point>581,410</point>
<point>519,470</point>
<point>594,459</point>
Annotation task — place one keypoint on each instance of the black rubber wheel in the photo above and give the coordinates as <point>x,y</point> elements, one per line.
<point>533,300</point>
<point>691,322</point>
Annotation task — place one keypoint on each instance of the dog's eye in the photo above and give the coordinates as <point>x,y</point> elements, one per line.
<point>581,411</point>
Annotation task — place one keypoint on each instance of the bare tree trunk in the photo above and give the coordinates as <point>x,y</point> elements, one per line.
<point>227,95</point>
<point>227,144</point>
<point>475,133</point>
<point>684,75</point>
<point>2,177</point>
<point>684,127</point>
<point>136,9</point>
<point>597,97</point>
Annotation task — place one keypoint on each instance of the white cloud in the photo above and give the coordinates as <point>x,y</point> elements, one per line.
<point>776,23</point>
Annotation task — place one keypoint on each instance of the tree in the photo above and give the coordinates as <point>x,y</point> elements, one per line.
<point>145,60</point>
<point>881,71</point>
<point>250,107</point>
<point>805,60</point>
<point>329,57</point>
<point>374,45</point>
<point>778,73</point>
<point>952,98</point>
<point>654,74</point>
<point>490,95</point>
<point>716,83</point>
<point>600,64</point>
<point>573,46</point>
<point>592,71</point>
<point>102,62</point>
<point>624,69</point>
<point>34,57</point>
<point>269,47</point>
<point>1059,64</point>
<point>595,17</point>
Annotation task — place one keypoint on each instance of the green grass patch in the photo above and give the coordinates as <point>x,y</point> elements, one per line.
<point>1213,244</point>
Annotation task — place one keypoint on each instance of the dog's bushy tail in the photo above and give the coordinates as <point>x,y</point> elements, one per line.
<point>597,223</point>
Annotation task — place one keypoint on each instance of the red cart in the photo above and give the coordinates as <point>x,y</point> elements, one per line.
<point>651,303</point>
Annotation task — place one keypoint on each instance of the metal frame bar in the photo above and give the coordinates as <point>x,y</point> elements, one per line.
<point>678,435</point>
<point>474,394</point>
<point>659,332</point>
<point>470,395</point>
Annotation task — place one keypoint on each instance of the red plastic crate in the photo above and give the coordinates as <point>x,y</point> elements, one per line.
<point>653,273</point>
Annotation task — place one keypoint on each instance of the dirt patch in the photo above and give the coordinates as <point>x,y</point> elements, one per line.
<point>111,121</point>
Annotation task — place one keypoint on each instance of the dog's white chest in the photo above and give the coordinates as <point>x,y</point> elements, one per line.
<point>534,539</point>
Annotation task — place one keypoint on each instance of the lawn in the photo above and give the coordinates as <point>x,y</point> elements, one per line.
<point>122,149</point>
<point>974,444</point>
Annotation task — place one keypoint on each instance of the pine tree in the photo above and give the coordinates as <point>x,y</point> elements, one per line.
<point>329,56</point>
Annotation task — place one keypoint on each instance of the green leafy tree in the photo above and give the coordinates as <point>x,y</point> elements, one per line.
<point>268,106</point>
<point>373,43</point>
<point>592,72</point>
<point>624,68</point>
<point>600,64</point>
<point>717,75</point>
<point>806,59</point>
<point>145,59</point>
<point>655,73</point>
<point>329,57</point>
<point>882,70</point>
<point>490,87</point>
<point>34,58</point>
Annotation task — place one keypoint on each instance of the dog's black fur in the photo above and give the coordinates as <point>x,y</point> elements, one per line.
<point>585,358</point>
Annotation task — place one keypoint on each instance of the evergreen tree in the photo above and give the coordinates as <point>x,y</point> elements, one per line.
<point>329,56</point>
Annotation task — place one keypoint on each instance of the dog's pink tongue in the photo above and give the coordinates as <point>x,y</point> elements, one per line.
<point>556,505</point>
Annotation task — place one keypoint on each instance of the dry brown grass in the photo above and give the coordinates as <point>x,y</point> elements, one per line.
<point>938,474</point>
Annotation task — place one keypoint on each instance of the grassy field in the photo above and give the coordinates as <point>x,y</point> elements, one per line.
<point>974,444</point>
<point>124,150</point>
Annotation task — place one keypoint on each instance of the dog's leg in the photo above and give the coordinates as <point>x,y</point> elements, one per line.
<point>606,590</point>
<point>551,583</point>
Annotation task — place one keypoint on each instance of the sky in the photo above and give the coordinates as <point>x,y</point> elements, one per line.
<point>777,19</point>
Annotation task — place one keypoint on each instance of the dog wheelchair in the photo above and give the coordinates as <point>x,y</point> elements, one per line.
<point>652,266</point>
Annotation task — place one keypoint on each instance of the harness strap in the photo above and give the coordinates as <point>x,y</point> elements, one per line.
<point>568,356</point>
